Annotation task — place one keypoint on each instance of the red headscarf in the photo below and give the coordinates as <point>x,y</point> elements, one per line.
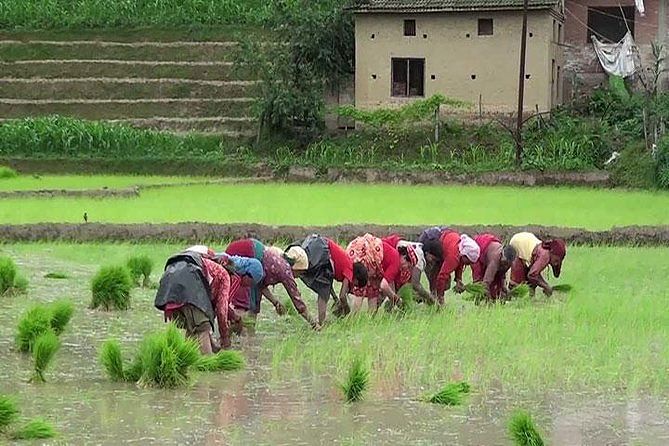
<point>557,248</point>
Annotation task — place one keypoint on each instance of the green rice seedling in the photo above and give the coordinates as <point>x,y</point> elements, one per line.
<point>8,273</point>
<point>140,267</point>
<point>61,313</point>
<point>451,395</point>
<point>224,361</point>
<point>33,323</point>
<point>111,288</point>
<point>476,292</point>
<point>35,429</point>
<point>406,294</point>
<point>562,288</point>
<point>519,292</point>
<point>523,431</point>
<point>56,275</point>
<point>356,382</point>
<point>9,413</point>
<point>20,285</point>
<point>133,373</point>
<point>112,360</point>
<point>44,351</point>
<point>7,172</point>
<point>167,359</point>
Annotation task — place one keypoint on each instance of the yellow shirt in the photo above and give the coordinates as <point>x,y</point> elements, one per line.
<point>524,244</point>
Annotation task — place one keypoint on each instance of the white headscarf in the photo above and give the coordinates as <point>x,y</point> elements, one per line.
<point>469,248</point>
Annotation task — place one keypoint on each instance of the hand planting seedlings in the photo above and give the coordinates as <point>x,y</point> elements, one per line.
<point>534,256</point>
<point>356,382</point>
<point>111,288</point>
<point>523,431</point>
<point>140,268</point>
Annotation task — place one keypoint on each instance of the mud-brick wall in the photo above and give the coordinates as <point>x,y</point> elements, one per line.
<point>582,69</point>
<point>161,80</point>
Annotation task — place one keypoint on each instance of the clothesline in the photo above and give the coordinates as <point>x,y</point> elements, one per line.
<point>645,23</point>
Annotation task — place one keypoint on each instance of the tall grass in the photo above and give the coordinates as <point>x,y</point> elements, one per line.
<point>356,382</point>
<point>523,431</point>
<point>9,413</point>
<point>140,268</point>
<point>111,288</point>
<point>44,350</point>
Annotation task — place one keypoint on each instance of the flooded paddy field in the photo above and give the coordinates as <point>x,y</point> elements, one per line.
<point>591,365</point>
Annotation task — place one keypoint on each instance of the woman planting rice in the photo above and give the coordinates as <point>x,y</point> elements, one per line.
<point>277,270</point>
<point>452,253</point>
<point>534,256</point>
<point>382,263</point>
<point>250,273</point>
<point>318,262</point>
<point>492,265</point>
<point>412,266</point>
<point>195,290</point>
<point>431,237</point>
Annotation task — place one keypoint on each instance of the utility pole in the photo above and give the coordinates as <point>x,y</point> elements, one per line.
<point>521,87</point>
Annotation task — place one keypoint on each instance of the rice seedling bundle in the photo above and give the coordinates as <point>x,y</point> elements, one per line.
<point>111,288</point>
<point>520,291</point>
<point>61,313</point>
<point>225,361</point>
<point>451,394</point>
<point>476,292</point>
<point>35,429</point>
<point>56,275</point>
<point>357,381</point>
<point>20,284</point>
<point>8,273</point>
<point>112,360</point>
<point>523,431</point>
<point>562,288</point>
<point>140,267</point>
<point>34,323</point>
<point>9,413</point>
<point>44,350</point>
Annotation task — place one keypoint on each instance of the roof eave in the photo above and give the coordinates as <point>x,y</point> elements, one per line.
<point>433,10</point>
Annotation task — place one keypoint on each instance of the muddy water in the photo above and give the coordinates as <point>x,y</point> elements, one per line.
<point>249,407</point>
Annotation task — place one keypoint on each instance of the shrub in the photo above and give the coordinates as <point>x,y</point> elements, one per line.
<point>8,273</point>
<point>9,413</point>
<point>140,267</point>
<point>44,350</point>
<point>61,313</point>
<point>7,172</point>
<point>635,168</point>
<point>111,288</point>
<point>35,429</point>
<point>356,382</point>
<point>225,361</point>
<point>34,323</point>
<point>522,430</point>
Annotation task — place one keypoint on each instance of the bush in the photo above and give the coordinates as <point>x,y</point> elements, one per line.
<point>35,429</point>
<point>356,383</point>
<point>111,288</point>
<point>140,267</point>
<point>9,413</point>
<point>7,172</point>
<point>634,168</point>
<point>44,350</point>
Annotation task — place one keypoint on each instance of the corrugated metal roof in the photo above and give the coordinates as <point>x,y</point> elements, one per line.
<point>445,5</point>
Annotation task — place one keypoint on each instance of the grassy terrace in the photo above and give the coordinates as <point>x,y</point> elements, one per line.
<point>320,204</point>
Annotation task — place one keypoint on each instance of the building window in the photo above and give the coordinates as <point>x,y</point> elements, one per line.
<point>409,27</point>
<point>610,24</point>
<point>485,27</point>
<point>408,77</point>
<point>559,40</point>
<point>552,71</point>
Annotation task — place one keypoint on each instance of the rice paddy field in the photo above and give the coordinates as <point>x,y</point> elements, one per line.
<point>590,364</point>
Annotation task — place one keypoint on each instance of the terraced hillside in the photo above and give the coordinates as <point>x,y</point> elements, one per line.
<point>155,80</point>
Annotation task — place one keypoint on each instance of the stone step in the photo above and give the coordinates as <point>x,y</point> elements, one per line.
<point>15,50</point>
<point>121,88</point>
<point>53,69</point>
<point>96,109</point>
<point>240,126</point>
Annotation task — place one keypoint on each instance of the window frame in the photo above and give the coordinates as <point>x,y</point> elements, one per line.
<point>411,28</point>
<point>482,20</point>
<point>628,18</point>
<point>407,91</point>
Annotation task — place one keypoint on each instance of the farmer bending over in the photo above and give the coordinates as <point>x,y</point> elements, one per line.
<point>412,266</point>
<point>534,256</point>
<point>319,262</point>
<point>194,290</point>
<point>250,273</point>
<point>492,265</point>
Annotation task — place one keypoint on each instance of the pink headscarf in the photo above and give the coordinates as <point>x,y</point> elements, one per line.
<point>469,248</point>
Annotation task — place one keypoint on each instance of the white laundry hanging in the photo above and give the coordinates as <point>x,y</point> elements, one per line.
<point>617,58</point>
<point>640,7</point>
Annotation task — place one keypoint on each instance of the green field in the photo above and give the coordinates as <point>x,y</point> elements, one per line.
<point>77,182</point>
<point>328,204</point>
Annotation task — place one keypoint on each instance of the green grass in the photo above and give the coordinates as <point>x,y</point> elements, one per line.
<point>609,332</point>
<point>356,382</point>
<point>523,431</point>
<point>35,429</point>
<point>7,173</point>
<point>321,204</point>
<point>111,288</point>
<point>44,350</point>
<point>77,182</point>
